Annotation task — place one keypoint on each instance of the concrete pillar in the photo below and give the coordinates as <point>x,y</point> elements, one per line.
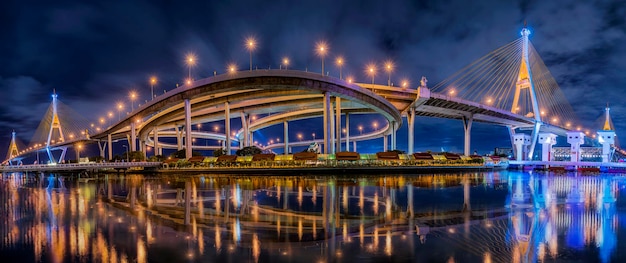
<point>606,138</point>
<point>188,149</point>
<point>286,137</point>
<point>385,139</point>
<point>338,123</point>
<point>393,135</point>
<point>547,140</point>
<point>347,132</point>
<point>354,146</point>
<point>521,142</point>
<point>179,137</point>
<point>411,123</point>
<point>155,133</point>
<point>110,144</point>
<point>467,127</point>
<point>246,132</point>
<point>575,139</point>
<point>326,122</point>
<point>133,136</point>
<point>227,126</point>
<point>331,120</point>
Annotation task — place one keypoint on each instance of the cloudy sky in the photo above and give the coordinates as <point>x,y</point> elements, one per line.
<point>94,53</point>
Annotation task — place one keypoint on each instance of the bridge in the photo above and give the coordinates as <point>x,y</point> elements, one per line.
<point>510,87</point>
<point>53,167</point>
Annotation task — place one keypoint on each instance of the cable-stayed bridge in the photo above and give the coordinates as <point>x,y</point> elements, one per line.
<point>510,86</point>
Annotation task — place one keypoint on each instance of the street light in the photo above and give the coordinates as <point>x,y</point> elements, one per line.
<point>232,68</point>
<point>405,83</point>
<point>375,124</point>
<point>313,136</point>
<point>300,136</point>
<point>371,71</point>
<point>286,62</point>
<point>190,60</point>
<point>339,63</point>
<point>361,129</point>
<point>389,68</point>
<point>120,107</point>
<point>132,96</point>
<point>153,81</point>
<point>321,50</point>
<point>251,46</point>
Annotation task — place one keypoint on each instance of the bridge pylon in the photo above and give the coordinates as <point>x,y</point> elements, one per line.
<point>55,124</point>
<point>525,82</point>
<point>13,150</point>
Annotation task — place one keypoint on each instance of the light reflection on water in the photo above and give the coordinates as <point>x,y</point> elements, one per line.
<point>505,216</point>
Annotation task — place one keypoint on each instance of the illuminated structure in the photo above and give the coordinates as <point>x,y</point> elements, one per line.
<point>13,150</point>
<point>575,139</point>
<point>547,140</point>
<point>606,137</point>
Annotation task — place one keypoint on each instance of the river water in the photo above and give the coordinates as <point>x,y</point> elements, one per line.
<point>496,216</point>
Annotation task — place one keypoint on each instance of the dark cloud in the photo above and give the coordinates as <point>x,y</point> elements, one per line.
<point>94,53</point>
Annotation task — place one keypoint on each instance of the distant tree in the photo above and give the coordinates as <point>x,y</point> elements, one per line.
<point>181,154</point>
<point>156,158</point>
<point>219,152</point>
<point>96,159</point>
<point>248,151</point>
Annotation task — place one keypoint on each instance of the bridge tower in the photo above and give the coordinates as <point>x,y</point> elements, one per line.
<point>606,136</point>
<point>525,81</point>
<point>55,124</point>
<point>13,150</point>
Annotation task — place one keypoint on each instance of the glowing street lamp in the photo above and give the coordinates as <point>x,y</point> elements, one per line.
<point>313,136</point>
<point>153,81</point>
<point>190,60</point>
<point>389,68</point>
<point>300,136</point>
<point>405,83</point>
<point>371,71</point>
<point>361,129</point>
<point>339,63</point>
<point>321,50</point>
<point>132,96</point>
<point>120,107</point>
<point>232,68</point>
<point>285,62</point>
<point>250,46</point>
<point>375,124</point>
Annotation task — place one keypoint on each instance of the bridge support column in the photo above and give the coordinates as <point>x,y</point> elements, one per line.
<point>347,132</point>
<point>410,119</point>
<point>521,142</point>
<point>575,139</point>
<point>354,146</point>
<point>101,146</point>
<point>331,122</point>
<point>286,137</point>
<point>110,144</point>
<point>188,149</point>
<point>155,132</point>
<point>179,137</point>
<point>606,138</point>
<point>385,139</point>
<point>547,140</point>
<point>226,126</point>
<point>246,132</point>
<point>393,135</point>
<point>467,127</point>
<point>326,122</point>
<point>338,123</point>
<point>133,136</point>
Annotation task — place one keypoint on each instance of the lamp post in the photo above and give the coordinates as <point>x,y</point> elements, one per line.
<point>361,129</point>
<point>251,46</point>
<point>389,69</point>
<point>120,107</point>
<point>371,71</point>
<point>321,50</point>
<point>313,136</point>
<point>339,63</point>
<point>190,61</point>
<point>286,62</point>
<point>132,96</point>
<point>153,81</point>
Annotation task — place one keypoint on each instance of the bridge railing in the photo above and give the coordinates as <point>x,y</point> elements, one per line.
<point>74,166</point>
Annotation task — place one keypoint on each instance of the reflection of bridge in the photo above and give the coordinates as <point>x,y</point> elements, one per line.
<point>282,96</point>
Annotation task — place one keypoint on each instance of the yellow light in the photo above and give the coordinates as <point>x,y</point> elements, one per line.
<point>153,80</point>
<point>120,106</point>
<point>321,48</point>
<point>250,43</point>
<point>389,66</point>
<point>232,68</point>
<point>132,95</point>
<point>190,60</point>
<point>405,83</point>
<point>339,61</point>
<point>286,61</point>
<point>188,81</point>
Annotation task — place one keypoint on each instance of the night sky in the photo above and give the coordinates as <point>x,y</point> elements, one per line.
<point>93,54</point>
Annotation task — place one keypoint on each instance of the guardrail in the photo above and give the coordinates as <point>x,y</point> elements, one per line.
<point>77,166</point>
